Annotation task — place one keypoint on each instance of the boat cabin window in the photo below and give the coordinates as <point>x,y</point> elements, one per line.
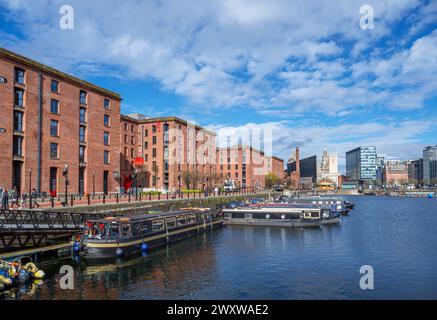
<point>315,215</point>
<point>95,230</point>
<point>114,230</point>
<point>182,220</point>
<point>191,219</point>
<point>157,225</point>
<point>125,229</point>
<point>171,223</point>
<point>248,216</point>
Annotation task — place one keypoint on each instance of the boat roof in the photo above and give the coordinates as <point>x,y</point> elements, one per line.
<point>149,216</point>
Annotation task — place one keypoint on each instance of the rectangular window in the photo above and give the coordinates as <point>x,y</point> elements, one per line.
<point>132,153</point>
<point>54,106</point>
<point>106,120</point>
<point>53,150</point>
<point>82,134</point>
<point>82,115</point>
<point>55,86</point>
<point>18,146</point>
<point>132,140</point>
<point>18,121</point>
<point>132,128</point>
<point>125,138</point>
<point>154,153</point>
<point>125,127</point>
<point>54,132</point>
<point>106,157</point>
<point>19,98</point>
<point>146,133</point>
<point>154,140</point>
<point>107,104</point>
<point>147,157</point>
<point>106,138</point>
<point>82,154</point>
<point>154,129</point>
<point>19,76</point>
<point>82,97</point>
<point>146,145</point>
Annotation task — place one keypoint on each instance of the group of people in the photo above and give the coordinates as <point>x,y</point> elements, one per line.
<point>16,199</point>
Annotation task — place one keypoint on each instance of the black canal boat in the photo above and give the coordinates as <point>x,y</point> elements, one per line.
<point>126,235</point>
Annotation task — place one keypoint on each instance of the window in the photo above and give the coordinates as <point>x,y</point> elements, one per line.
<point>82,115</point>
<point>106,138</point>
<point>82,134</point>
<point>132,153</point>
<point>146,145</point>
<point>54,132</point>
<point>132,128</point>
<point>125,127</point>
<point>106,157</point>
<point>106,120</point>
<point>125,139</point>
<point>54,106</point>
<point>53,150</point>
<point>18,146</point>
<point>82,97</point>
<point>146,133</point>
<point>154,153</point>
<point>19,76</point>
<point>236,167</point>
<point>157,225</point>
<point>19,98</point>
<point>106,104</point>
<point>147,157</point>
<point>154,129</point>
<point>81,154</point>
<point>18,121</point>
<point>154,140</point>
<point>132,140</point>
<point>55,86</point>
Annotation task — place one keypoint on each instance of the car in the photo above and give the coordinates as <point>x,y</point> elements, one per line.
<point>278,188</point>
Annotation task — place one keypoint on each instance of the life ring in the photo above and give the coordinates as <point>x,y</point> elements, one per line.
<point>31,267</point>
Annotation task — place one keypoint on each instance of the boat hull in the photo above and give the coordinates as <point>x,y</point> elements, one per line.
<point>272,223</point>
<point>95,250</point>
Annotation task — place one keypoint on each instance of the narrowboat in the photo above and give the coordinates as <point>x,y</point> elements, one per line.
<point>280,216</point>
<point>336,205</point>
<point>123,236</point>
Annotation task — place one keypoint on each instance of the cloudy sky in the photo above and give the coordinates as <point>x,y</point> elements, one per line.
<point>303,69</point>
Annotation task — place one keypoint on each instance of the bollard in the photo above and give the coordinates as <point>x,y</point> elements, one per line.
<point>71,200</point>
<point>52,202</point>
<point>129,197</point>
<point>141,197</point>
<point>104,198</point>
<point>89,200</point>
<point>159,197</point>
<point>116,198</point>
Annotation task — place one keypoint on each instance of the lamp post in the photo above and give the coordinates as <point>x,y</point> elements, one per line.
<point>30,188</point>
<point>65,174</point>
<point>94,184</point>
<point>179,182</point>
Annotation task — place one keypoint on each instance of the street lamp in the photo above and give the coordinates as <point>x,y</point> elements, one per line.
<point>94,184</point>
<point>30,188</point>
<point>179,182</point>
<point>65,174</point>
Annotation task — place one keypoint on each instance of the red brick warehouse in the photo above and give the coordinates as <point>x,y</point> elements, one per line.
<point>50,120</point>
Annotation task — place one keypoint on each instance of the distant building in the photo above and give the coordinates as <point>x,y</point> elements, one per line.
<point>430,165</point>
<point>415,172</point>
<point>328,170</point>
<point>380,166</point>
<point>308,168</point>
<point>361,164</point>
<point>396,172</point>
<point>293,168</point>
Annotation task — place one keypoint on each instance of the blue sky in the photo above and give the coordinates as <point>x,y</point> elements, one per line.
<point>306,71</point>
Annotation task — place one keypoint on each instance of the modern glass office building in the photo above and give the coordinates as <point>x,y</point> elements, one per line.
<point>361,164</point>
<point>430,165</point>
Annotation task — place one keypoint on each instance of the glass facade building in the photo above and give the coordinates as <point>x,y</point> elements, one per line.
<point>430,165</point>
<point>361,164</point>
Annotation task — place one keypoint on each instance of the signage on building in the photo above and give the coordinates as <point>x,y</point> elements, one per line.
<point>3,80</point>
<point>138,162</point>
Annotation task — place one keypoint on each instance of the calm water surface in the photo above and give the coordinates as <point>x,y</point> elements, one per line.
<point>397,236</point>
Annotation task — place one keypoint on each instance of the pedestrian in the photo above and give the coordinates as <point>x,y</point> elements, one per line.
<point>34,197</point>
<point>23,200</point>
<point>5,199</point>
<point>14,197</point>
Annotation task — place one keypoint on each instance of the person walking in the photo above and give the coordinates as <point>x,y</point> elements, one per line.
<point>14,197</point>
<point>34,197</point>
<point>5,199</point>
<point>23,200</point>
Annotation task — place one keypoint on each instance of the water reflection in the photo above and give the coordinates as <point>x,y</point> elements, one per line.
<point>395,236</point>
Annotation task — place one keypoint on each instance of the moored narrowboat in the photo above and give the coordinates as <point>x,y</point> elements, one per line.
<point>280,216</point>
<point>122,236</point>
